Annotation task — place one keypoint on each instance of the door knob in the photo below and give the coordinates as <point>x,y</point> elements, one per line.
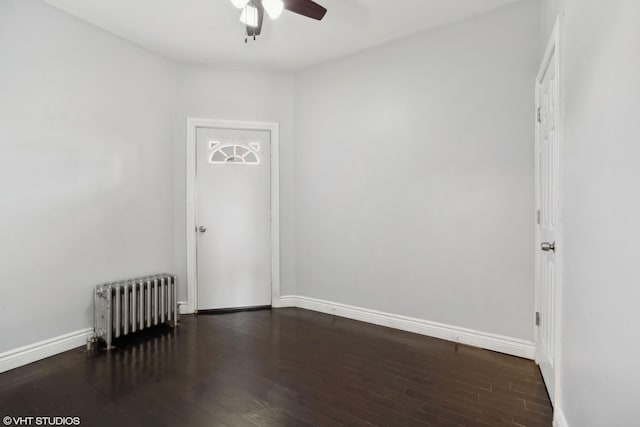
<point>202,229</point>
<point>546,246</point>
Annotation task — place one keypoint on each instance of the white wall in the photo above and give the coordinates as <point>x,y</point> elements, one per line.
<point>86,168</point>
<point>410,195</point>
<point>598,367</point>
<point>206,92</point>
<point>414,175</point>
<point>92,133</point>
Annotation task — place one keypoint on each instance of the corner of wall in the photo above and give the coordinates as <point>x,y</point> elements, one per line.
<point>559,419</point>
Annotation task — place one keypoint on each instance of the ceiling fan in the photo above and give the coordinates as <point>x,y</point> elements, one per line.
<point>253,12</point>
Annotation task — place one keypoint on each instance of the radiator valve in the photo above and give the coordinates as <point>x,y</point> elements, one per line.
<point>91,339</point>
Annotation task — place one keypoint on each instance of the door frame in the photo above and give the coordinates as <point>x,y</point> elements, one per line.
<point>553,47</point>
<point>191,199</point>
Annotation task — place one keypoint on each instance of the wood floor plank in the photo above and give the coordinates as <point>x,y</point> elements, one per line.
<point>287,367</point>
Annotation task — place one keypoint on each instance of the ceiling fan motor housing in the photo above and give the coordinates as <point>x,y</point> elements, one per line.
<point>253,12</point>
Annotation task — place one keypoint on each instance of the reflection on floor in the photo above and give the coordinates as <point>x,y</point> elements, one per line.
<point>287,367</point>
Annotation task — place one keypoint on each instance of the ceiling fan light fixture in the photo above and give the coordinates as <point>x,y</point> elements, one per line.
<point>273,7</point>
<point>249,16</point>
<point>240,4</point>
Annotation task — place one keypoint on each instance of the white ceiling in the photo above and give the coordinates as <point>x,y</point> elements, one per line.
<point>208,31</point>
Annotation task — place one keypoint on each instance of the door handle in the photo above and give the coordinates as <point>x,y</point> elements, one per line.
<point>202,229</point>
<point>546,246</point>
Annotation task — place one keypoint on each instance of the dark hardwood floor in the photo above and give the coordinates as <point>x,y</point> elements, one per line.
<point>286,367</point>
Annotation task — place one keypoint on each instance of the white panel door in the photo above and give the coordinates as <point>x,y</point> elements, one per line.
<point>233,210</point>
<point>548,173</point>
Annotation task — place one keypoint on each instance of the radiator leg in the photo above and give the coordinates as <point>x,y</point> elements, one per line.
<point>174,302</point>
<point>109,326</point>
<point>141,308</point>
<point>176,307</point>
<point>155,301</point>
<point>118,315</point>
<point>163,289</point>
<point>126,309</point>
<point>96,311</point>
<point>169,301</point>
<point>134,318</point>
<point>148,290</point>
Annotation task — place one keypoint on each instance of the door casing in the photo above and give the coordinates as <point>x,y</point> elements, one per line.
<point>553,49</point>
<point>193,124</point>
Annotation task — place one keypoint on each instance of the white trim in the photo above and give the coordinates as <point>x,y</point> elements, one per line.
<point>41,350</point>
<point>553,49</point>
<point>287,301</point>
<point>559,420</point>
<point>499,343</point>
<point>183,307</point>
<point>192,125</point>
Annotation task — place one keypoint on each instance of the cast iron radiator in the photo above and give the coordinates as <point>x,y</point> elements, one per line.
<point>125,307</point>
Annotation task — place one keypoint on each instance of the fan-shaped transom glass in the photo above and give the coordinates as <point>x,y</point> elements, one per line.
<point>237,153</point>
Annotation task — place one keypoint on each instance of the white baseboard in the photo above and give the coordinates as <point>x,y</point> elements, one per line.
<point>559,419</point>
<point>31,353</point>
<point>185,308</point>
<point>499,343</point>
<point>285,302</point>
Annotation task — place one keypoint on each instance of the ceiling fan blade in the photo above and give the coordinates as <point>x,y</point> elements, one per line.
<point>260,18</point>
<point>306,8</point>
<point>255,31</point>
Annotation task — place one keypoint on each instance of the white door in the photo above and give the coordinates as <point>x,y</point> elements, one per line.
<point>548,219</point>
<point>233,217</point>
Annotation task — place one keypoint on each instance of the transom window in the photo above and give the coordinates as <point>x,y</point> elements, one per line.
<point>237,153</point>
